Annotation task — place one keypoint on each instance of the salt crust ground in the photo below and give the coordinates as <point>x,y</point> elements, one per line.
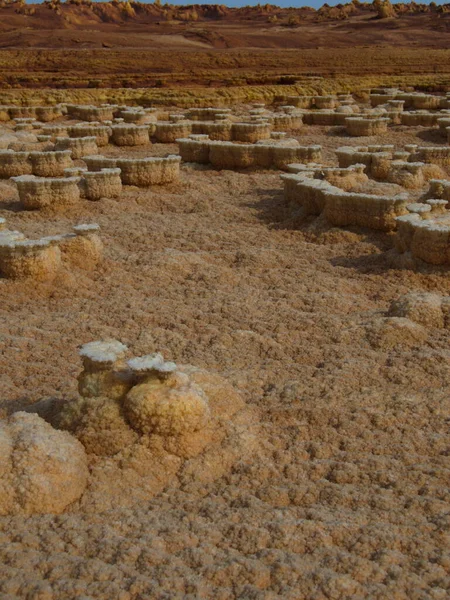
<point>346,493</point>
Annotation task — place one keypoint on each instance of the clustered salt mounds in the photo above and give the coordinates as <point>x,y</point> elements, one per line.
<point>80,146</point>
<point>424,233</point>
<point>409,319</point>
<point>50,163</point>
<point>250,132</point>
<point>314,195</point>
<point>44,114</point>
<point>42,470</point>
<point>141,172</point>
<point>42,259</point>
<point>106,183</point>
<point>145,422</point>
<point>91,113</point>
<point>129,134</point>
<point>42,192</point>
<point>385,164</point>
<point>13,164</point>
<point>168,133</point>
<point>101,132</point>
<point>230,155</point>
<point>366,126</point>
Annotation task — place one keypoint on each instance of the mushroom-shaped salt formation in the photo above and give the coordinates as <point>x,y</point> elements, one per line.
<point>100,132</point>
<point>55,131</point>
<point>425,239</point>
<point>133,115</point>
<point>286,121</point>
<point>48,113</point>
<point>50,163</point>
<point>168,133</point>
<point>42,470</point>
<point>90,113</point>
<point>360,126</point>
<point>102,374</point>
<point>13,164</point>
<point>101,184</point>
<point>166,402</point>
<point>84,249</point>
<point>29,259</point>
<point>217,130</point>
<point>140,421</point>
<point>250,132</point>
<point>128,134</point>
<point>22,112</point>
<point>40,192</point>
<point>322,102</point>
<point>97,162</point>
<point>143,172</point>
<point>195,148</point>
<point>80,147</point>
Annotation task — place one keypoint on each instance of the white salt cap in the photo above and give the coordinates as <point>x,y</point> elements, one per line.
<point>151,362</point>
<point>106,352</point>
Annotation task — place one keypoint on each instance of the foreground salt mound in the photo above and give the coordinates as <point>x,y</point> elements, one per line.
<point>424,308</point>
<point>41,259</point>
<point>147,423</point>
<point>42,470</point>
<point>409,319</point>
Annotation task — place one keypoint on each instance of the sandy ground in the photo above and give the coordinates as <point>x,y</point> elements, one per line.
<point>345,494</point>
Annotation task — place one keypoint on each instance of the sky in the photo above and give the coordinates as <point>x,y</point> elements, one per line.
<point>282,3</point>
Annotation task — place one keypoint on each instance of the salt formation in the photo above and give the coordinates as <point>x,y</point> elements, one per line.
<point>143,172</point>
<point>133,115</point>
<point>100,132</point>
<point>168,133</point>
<point>46,114</point>
<point>42,470</point>
<point>90,113</point>
<point>286,121</point>
<point>50,163</point>
<point>80,146</point>
<point>384,164</point>
<point>229,155</point>
<point>419,118</point>
<point>321,102</point>
<point>250,132</point>
<point>55,131</point>
<point>146,421</point>
<point>360,126</point>
<point>83,248</point>
<point>41,259</point>
<point>325,117</point>
<point>101,184</point>
<point>339,207</point>
<point>97,162</point>
<point>215,130</point>
<point>22,112</point>
<point>205,114</point>
<point>41,192</point>
<point>424,233</point>
<point>425,308</point>
<point>128,134</point>
<point>121,401</point>
<point>13,164</point>
<point>438,155</point>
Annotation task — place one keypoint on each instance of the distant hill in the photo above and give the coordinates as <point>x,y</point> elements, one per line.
<point>86,24</point>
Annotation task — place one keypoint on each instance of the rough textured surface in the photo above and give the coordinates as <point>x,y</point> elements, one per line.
<point>343,491</point>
